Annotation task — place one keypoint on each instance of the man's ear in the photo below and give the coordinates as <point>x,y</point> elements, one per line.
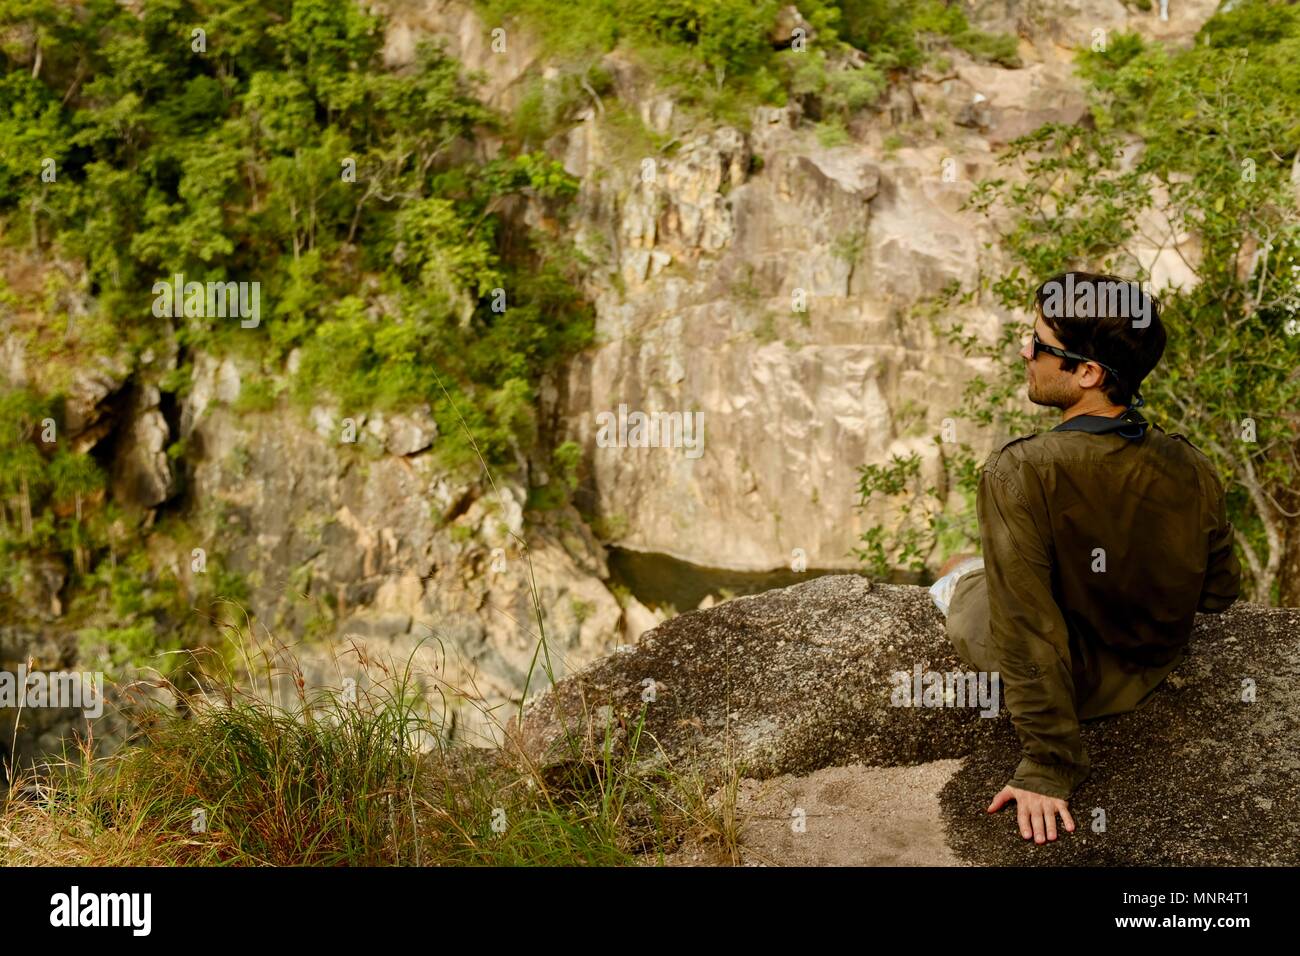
<point>1098,373</point>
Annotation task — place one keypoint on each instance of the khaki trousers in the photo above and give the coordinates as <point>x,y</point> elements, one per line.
<point>1104,682</point>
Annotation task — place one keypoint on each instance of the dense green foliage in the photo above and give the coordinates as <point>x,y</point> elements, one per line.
<point>895,33</point>
<point>254,142</point>
<point>721,56</point>
<point>282,152</point>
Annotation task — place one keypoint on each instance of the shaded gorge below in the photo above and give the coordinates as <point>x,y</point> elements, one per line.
<point>661,581</point>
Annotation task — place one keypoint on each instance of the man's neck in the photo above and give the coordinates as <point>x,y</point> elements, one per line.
<point>1104,409</point>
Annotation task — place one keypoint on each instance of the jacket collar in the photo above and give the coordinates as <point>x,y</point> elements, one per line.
<point>1129,424</point>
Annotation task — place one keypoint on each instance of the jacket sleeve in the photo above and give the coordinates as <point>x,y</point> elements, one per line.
<point>1223,569</point>
<point>1028,635</point>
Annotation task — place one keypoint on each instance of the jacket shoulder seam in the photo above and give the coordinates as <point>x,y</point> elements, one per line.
<point>994,468</point>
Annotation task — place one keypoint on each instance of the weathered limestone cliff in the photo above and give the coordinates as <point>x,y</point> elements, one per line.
<point>372,542</point>
<point>707,256</point>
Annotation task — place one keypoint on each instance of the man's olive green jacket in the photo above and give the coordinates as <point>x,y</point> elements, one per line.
<point>1094,538</point>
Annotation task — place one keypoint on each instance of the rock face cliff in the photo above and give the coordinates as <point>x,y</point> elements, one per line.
<point>798,680</point>
<point>373,542</point>
<point>779,302</point>
<point>769,282</point>
<point>755,276</point>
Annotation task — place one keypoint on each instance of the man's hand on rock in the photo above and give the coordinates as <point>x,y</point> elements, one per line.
<point>1035,811</point>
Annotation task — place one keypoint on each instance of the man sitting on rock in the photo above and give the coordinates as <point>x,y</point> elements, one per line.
<point>1101,540</point>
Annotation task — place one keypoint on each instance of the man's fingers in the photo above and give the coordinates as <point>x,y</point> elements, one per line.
<point>1035,815</point>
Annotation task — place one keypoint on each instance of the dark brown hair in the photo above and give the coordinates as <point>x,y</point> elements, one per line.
<point>1110,320</point>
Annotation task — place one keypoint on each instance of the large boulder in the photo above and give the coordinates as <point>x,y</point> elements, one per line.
<point>800,679</point>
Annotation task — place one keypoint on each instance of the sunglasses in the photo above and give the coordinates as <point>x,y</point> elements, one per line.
<point>1041,346</point>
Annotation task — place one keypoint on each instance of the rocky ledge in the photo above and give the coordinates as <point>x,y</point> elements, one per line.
<point>800,679</point>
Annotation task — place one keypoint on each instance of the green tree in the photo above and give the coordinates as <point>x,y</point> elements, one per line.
<point>1209,186</point>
